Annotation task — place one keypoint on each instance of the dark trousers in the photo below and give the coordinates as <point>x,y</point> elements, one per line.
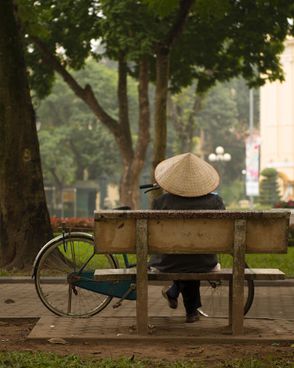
<point>190,290</point>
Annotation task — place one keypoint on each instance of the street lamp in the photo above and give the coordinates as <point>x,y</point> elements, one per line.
<point>219,155</point>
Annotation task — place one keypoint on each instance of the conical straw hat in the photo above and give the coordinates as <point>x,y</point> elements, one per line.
<point>186,175</point>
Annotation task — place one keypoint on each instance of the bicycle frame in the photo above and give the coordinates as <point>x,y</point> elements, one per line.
<point>123,289</point>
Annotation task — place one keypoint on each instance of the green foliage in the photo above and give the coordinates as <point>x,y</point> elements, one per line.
<point>212,9</point>
<point>269,172</point>
<point>234,38</point>
<point>182,112</point>
<point>57,161</point>
<point>216,111</point>
<point>219,123</point>
<point>127,28</point>
<point>219,117</point>
<point>162,7</point>
<point>220,39</point>
<point>233,192</point>
<point>268,362</point>
<point>33,16</point>
<point>269,187</point>
<point>71,139</point>
<point>68,24</point>
<point>219,111</point>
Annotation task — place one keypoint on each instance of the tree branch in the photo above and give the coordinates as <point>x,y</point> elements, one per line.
<point>86,94</point>
<point>177,28</point>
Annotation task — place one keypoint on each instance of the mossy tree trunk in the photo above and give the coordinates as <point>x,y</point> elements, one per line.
<point>24,219</point>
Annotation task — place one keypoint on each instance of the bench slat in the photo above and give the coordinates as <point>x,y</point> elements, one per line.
<point>186,232</point>
<point>224,274</point>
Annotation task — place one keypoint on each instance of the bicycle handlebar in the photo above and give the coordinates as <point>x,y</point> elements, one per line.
<point>147,186</point>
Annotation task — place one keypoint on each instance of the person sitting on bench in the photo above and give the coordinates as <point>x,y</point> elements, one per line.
<point>189,182</point>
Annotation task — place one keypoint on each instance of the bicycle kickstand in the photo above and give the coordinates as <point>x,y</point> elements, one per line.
<point>130,289</point>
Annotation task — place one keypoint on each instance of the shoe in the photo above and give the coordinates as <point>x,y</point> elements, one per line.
<point>193,317</point>
<point>172,302</point>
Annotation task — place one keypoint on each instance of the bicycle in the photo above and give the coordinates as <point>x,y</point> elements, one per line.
<point>63,272</point>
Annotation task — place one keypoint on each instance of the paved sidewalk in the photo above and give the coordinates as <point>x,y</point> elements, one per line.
<point>19,299</point>
<point>271,317</point>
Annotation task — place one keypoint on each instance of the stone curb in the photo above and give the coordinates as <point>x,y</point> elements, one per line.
<point>30,280</point>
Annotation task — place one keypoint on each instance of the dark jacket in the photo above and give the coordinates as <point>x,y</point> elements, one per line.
<point>186,262</point>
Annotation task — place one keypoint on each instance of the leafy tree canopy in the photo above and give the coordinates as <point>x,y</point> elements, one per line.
<point>235,38</point>
<point>220,39</point>
<point>207,41</point>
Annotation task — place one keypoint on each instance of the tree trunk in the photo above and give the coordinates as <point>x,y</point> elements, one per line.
<point>160,130</point>
<point>24,219</point>
<point>129,188</point>
<point>160,118</point>
<point>162,77</point>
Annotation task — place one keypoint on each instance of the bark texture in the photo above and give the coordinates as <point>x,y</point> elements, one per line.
<point>24,219</point>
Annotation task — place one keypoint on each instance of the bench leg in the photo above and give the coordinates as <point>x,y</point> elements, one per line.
<point>238,309</point>
<point>230,302</point>
<point>237,302</point>
<point>142,278</point>
<point>142,309</point>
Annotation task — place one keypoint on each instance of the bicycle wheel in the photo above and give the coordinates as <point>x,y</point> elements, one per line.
<point>215,296</point>
<point>67,259</point>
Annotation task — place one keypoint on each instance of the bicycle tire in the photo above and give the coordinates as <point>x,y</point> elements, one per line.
<point>215,298</point>
<point>56,261</point>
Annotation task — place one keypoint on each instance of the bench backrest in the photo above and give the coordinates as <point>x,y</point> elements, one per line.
<point>192,231</point>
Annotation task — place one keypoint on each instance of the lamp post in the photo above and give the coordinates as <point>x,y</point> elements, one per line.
<point>219,157</point>
<point>244,172</point>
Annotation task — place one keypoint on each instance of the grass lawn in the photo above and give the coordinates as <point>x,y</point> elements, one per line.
<point>284,262</point>
<point>45,360</point>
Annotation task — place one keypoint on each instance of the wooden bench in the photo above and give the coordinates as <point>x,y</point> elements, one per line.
<point>186,232</point>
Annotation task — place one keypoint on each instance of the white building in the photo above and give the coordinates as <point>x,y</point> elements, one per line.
<point>277,123</point>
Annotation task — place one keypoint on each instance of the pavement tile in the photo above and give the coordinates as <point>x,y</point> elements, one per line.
<point>271,316</point>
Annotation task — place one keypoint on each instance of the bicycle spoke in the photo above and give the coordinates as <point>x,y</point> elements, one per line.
<point>58,263</point>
